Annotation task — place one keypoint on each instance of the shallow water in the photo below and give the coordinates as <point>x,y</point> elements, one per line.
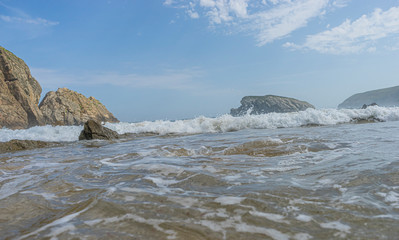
<point>335,181</point>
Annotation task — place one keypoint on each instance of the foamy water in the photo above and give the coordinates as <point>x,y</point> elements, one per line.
<point>252,177</point>
<point>224,123</point>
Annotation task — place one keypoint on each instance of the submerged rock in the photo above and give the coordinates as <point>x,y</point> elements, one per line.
<point>369,105</point>
<point>18,145</point>
<point>19,93</point>
<point>94,130</point>
<point>269,103</point>
<point>67,107</point>
<point>386,97</point>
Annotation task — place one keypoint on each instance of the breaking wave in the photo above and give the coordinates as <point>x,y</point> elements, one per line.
<point>224,123</point>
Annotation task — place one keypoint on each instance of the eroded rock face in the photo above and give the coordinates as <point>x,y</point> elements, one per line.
<point>94,130</point>
<point>71,108</point>
<point>19,93</point>
<point>266,104</point>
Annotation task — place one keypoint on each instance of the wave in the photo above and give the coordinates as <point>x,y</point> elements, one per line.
<point>227,123</point>
<point>224,123</point>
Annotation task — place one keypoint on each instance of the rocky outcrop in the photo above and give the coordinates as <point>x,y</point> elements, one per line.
<point>386,97</point>
<point>19,93</point>
<point>71,108</point>
<point>18,145</point>
<point>369,105</point>
<point>269,103</point>
<point>94,130</point>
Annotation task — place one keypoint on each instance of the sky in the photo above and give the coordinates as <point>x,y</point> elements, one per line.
<point>178,59</point>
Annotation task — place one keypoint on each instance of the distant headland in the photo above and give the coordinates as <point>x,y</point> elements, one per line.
<point>386,97</point>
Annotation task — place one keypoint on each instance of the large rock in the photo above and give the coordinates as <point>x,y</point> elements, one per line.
<point>386,97</point>
<point>94,130</point>
<point>71,108</point>
<point>18,145</point>
<point>19,93</point>
<point>269,103</point>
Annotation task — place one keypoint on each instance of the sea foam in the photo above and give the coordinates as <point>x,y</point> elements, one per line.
<point>224,123</point>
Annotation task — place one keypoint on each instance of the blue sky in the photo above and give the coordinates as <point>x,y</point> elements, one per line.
<point>174,59</point>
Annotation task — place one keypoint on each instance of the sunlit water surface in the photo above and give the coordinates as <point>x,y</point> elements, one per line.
<point>339,181</point>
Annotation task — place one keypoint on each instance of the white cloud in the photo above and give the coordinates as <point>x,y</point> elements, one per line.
<point>168,79</point>
<point>355,36</point>
<point>168,2</point>
<point>340,3</point>
<point>266,20</point>
<point>28,20</point>
<point>282,20</point>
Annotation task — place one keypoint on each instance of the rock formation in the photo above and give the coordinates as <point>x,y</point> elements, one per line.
<point>71,108</point>
<point>18,145</point>
<point>94,130</point>
<point>369,105</point>
<point>386,97</point>
<point>19,93</point>
<point>269,103</point>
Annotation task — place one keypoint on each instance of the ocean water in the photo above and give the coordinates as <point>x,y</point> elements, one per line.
<point>317,174</point>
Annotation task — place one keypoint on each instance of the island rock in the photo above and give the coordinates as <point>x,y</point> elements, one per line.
<point>19,93</point>
<point>67,107</point>
<point>94,130</point>
<point>267,104</point>
<point>386,97</point>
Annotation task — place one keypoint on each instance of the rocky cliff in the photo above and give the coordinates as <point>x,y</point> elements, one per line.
<point>269,103</point>
<point>387,97</point>
<point>67,107</point>
<point>19,93</point>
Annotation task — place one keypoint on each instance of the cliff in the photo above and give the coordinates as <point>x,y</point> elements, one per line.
<point>386,97</point>
<point>19,93</point>
<point>266,104</point>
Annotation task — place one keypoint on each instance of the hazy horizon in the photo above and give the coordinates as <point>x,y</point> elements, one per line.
<point>175,59</point>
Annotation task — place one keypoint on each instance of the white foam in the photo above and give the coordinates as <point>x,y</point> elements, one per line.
<point>43,133</point>
<point>227,123</point>
<point>225,200</point>
<point>337,226</point>
<point>270,216</point>
<point>224,123</point>
<point>303,218</point>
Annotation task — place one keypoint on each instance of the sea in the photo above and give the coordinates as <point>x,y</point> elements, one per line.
<point>315,174</point>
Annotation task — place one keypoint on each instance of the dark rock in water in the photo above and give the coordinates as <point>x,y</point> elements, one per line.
<point>19,93</point>
<point>18,145</point>
<point>386,97</point>
<point>269,103</point>
<point>94,130</point>
<point>67,107</point>
<point>369,105</point>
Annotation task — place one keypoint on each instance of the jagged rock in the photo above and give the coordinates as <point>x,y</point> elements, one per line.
<point>369,105</point>
<point>269,103</point>
<point>94,130</point>
<point>68,107</point>
<point>18,145</point>
<point>386,97</point>
<point>19,93</point>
